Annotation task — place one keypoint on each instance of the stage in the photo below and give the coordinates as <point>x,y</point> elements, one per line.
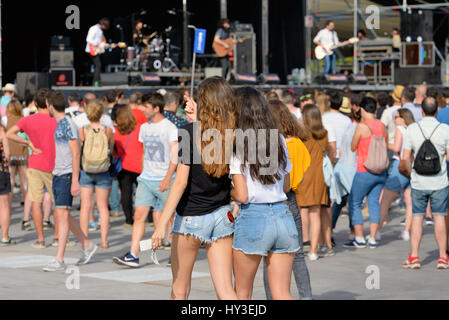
<point>100,91</point>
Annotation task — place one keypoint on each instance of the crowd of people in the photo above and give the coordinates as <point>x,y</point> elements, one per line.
<point>154,157</point>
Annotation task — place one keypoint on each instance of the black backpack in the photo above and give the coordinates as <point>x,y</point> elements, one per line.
<point>427,161</point>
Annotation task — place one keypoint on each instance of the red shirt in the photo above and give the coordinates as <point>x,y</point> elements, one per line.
<point>41,128</point>
<point>139,115</point>
<point>132,158</point>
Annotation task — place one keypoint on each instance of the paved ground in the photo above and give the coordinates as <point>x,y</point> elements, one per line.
<point>341,277</point>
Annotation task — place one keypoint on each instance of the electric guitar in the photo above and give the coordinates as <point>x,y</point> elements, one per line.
<point>223,51</point>
<point>321,53</point>
<point>102,47</point>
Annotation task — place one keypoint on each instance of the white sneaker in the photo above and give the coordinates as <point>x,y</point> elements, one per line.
<point>405,235</point>
<point>55,266</point>
<point>313,257</point>
<point>378,237</point>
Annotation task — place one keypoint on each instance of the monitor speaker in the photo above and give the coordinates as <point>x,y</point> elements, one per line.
<point>245,53</point>
<point>114,79</point>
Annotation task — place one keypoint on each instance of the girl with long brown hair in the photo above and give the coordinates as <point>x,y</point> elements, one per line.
<point>300,158</point>
<point>265,227</point>
<point>5,190</point>
<point>397,181</point>
<point>19,160</point>
<point>313,196</point>
<point>201,193</point>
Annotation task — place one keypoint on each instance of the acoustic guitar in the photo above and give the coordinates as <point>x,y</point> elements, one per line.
<point>222,51</point>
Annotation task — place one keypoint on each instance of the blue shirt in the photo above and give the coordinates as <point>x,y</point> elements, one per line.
<point>222,34</point>
<point>443,116</point>
<point>416,110</point>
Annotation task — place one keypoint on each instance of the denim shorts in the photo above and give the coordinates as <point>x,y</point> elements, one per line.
<point>148,195</point>
<point>438,202</point>
<point>95,180</point>
<point>62,190</point>
<point>208,228</point>
<point>264,228</point>
<point>396,181</point>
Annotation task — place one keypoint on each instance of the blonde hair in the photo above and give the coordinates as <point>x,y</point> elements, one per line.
<point>322,102</point>
<point>95,111</point>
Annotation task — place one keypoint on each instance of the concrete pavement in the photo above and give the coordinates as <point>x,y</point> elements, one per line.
<point>341,277</point>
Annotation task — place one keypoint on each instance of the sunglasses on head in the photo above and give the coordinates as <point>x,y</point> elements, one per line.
<point>306,97</point>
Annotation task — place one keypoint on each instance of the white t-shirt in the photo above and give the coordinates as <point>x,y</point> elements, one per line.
<point>336,125</point>
<point>297,114</point>
<point>81,121</point>
<point>94,37</point>
<point>258,193</point>
<point>388,121</point>
<point>327,37</point>
<point>157,139</point>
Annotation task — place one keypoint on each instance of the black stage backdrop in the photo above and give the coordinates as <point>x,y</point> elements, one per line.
<point>28,27</point>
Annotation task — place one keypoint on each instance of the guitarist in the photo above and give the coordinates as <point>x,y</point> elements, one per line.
<point>224,33</point>
<point>95,38</point>
<point>325,37</point>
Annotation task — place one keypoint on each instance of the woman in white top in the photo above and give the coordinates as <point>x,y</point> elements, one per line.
<point>398,182</point>
<point>265,227</point>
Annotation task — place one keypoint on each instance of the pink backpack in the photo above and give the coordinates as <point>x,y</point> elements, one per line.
<point>377,161</point>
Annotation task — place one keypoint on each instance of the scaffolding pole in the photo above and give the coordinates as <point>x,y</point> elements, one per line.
<point>223,9</point>
<point>185,33</point>
<point>356,25</point>
<point>309,45</point>
<point>265,36</point>
<point>390,8</point>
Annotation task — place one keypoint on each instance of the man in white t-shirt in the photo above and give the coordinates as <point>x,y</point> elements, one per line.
<point>95,38</point>
<point>160,159</point>
<point>325,37</point>
<point>335,122</point>
<point>388,115</point>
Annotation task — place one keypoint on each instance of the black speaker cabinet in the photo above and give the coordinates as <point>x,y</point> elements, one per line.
<point>30,82</point>
<point>245,53</point>
<point>114,79</point>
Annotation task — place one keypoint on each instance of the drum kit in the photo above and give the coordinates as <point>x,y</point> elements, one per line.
<point>153,54</point>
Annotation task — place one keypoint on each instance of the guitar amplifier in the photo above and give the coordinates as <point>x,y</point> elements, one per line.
<point>61,59</point>
<point>245,55</point>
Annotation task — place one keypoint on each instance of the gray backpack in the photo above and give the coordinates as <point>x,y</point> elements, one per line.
<point>377,161</point>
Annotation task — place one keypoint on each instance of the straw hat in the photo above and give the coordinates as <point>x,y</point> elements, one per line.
<point>346,106</point>
<point>9,88</point>
<point>397,93</point>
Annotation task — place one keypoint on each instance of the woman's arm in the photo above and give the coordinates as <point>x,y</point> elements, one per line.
<point>332,151</point>
<point>5,143</point>
<point>356,139</point>
<point>82,136</point>
<point>175,195</point>
<point>110,139</point>
<point>397,146</point>
<point>240,191</point>
<point>287,184</point>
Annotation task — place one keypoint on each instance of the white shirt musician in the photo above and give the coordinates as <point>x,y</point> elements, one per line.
<point>328,36</point>
<point>95,38</point>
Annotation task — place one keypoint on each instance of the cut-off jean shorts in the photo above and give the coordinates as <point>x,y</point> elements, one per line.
<point>264,228</point>
<point>208,228</point>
